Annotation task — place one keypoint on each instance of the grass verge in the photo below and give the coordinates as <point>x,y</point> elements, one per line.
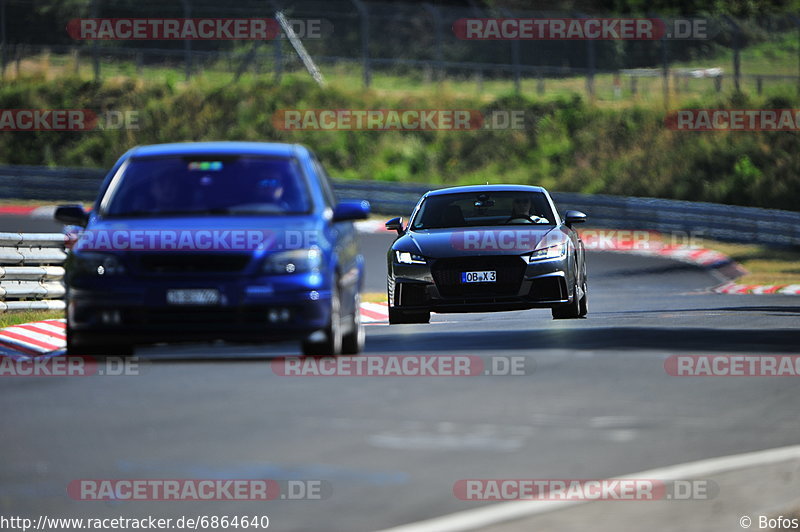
<point>765,265</point>
<point>373,297</point>
<point>7,319</point>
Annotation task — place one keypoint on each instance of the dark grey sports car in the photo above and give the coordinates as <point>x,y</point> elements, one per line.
<point>486,248</point>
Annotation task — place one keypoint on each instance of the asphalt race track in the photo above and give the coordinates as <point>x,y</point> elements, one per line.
<point>595,402</point>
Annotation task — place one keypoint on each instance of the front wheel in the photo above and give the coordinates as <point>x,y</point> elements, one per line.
<point>397,316</point>
<point>331,343</point>
<point>95,349</point>
<point>571,310</point>
<point>353,341</point>
<point>584,301</point>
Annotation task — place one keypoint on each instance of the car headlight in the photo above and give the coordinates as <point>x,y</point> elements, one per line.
<point>294,261</point>
<point>559,251</point>
<point>97,264</point>
<point>405,257</point>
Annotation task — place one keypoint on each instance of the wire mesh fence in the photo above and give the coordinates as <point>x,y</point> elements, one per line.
<point>402,45</point>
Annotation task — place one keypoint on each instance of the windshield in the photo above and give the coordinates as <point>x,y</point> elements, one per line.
<point>208,185</point>
<point>483,209</point>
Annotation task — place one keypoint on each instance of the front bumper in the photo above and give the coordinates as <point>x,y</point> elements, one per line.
<point>248,310</point>
<point>424,287</point>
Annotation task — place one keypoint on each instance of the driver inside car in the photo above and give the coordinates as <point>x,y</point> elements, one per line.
<point>521,212</point>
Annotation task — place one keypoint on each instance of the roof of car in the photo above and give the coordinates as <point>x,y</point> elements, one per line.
<point>216,148</point>
<point>485,188</point>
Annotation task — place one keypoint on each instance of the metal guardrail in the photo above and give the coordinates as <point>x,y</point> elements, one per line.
<point>31,271</point>
<point>729,223</point>
<point>723,222</point>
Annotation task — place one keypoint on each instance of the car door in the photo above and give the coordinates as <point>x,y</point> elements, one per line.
<point>345,240</point>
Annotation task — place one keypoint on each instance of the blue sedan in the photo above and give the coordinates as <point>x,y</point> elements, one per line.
<point>217,240</point>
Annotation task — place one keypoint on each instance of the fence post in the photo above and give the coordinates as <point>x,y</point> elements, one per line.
<point>187,43</point>
<point>363,15</point>
<point>278,53</point>
<point>665,69</point>
<point>437,31</point>
<point>76,57</point>
<point>736,42</point>
<point>796,21</point>
<point>2,39</point>
<point>590,62</point>
<point>95,55</point>
<point>514,56</point>
<point>277,47</point>
<point>736,63</point>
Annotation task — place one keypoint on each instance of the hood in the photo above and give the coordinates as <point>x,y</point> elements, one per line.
<point>479,241</point>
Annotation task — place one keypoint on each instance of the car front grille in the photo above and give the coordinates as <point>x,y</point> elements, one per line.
<point>193,262</point>
<point>447,276</point>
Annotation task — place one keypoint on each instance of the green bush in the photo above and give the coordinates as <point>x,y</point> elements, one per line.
<point>566,144</point>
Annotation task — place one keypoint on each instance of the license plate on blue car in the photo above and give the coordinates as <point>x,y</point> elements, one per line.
<point>193,296</point>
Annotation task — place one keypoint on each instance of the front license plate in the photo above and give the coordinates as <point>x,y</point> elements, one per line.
<point>193,296</point>
<point>478,277</point>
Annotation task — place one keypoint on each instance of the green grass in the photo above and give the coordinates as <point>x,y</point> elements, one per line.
<point>764,265</point>
<point>7,319</point>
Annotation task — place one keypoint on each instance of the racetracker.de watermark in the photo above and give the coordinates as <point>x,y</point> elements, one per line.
<point>195,239</point>
<point>169,29</point>
<point>524,240</point>
<point>214,29</point>
<point>176,489</point>
<point>581,29</point>
<point>734,120</point>
<point>548,489</point>
<point>66,120</point>
<point>402,366</point>
<point>67,366</point>
<point>733,365</point>
<point>398,119</point>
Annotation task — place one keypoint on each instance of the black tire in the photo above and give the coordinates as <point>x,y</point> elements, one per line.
<point>332,344</point>
<point>571,310</point>
<point>584,304</point>
<point>397,316</point>
<point>353,342</point>
<point>96,350</point>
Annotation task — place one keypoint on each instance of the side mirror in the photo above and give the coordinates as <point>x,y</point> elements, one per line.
<point>71,215</point>
<point>574,217</point>
<point>351,210</point>
<point>395,224</point>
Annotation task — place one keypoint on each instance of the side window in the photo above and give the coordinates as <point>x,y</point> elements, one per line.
<point>325,183</point>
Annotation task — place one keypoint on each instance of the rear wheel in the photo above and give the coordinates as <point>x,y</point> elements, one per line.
<point>397,316</point>
<point>353,341</point>
<point>331,343</point>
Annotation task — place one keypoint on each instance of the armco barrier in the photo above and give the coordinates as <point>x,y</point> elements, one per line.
<point>722,222</point>
<point>31,271</point>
